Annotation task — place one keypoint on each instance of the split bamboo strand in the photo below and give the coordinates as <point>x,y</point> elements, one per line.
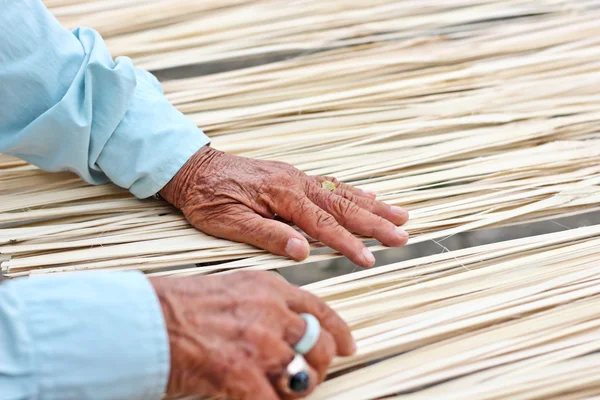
<point>463,324</point>
<point>162,34</point>
<point>484,127</point>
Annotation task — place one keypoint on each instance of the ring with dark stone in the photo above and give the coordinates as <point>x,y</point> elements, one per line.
<point>300,382</point>
<point>297,372</point>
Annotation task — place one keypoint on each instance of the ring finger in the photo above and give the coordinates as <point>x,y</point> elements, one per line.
<point>344,186</point>
<point>321,354</point>
<point>394,214</point>
<point>292,385</point>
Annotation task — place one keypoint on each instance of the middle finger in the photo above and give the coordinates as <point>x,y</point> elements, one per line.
<point>322,226</point>
<point>357,219</point>
<point>322,353</point>
<point>394,214</point>
<point>301,301</point>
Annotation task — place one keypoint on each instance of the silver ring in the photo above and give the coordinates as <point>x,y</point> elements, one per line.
<point>311,335</point>
<point>297,365</point>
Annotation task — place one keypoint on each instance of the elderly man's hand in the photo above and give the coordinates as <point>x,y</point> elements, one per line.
<point>232,335</point>
<point>237,198</point>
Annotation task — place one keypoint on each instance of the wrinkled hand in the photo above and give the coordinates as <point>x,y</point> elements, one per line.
<point>236,198</point>
<point>232,335</point>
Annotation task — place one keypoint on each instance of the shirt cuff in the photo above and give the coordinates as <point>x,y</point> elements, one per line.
<point>152,142</point>
<point>96,335</point>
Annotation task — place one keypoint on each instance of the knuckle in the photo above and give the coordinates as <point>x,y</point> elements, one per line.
<point>294,332</point>
<point>296,203</point>
<point>329,347</point>
<point>341,208</point>
<point>359,201</point>
<point>283,178</point>
<point>344,208</point>
<point>345,194</point>
<point>301,208</point>
<point>312,189</point>
<point>277,309</point>
<point>248,350</point>
<point>323,311</point>
<point>256,333</point>
<point>325,221</point>
<point>261,301</point>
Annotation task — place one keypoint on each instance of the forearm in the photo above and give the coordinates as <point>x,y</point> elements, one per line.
<point>84,336</point>
<point>67,105</point>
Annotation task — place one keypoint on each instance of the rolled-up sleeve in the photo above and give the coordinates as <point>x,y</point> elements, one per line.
<point>83,336</point>
<point>65,104</point>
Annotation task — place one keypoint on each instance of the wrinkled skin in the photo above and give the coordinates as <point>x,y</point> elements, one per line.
<point>236,198</point>
<point>231,335</point>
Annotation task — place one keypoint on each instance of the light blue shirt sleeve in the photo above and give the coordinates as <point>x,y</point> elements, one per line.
<point>82,336</point>
<point>65,104</point>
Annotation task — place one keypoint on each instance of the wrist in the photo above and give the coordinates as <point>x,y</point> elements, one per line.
<point>175,191</point>
<point>157,284</point>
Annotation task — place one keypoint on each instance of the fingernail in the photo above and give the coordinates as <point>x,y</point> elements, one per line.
<point>398,210</point>
<point>370,193</point>
<point>401,232</point>
<point>368,257</point>
<point>297,249</point>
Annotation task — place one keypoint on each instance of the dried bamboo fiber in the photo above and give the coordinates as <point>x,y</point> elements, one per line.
<point>170,33</point>
<point>517,319</point>
<point>490,124</point>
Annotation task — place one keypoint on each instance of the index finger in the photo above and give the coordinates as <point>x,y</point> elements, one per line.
<point>322,226</point>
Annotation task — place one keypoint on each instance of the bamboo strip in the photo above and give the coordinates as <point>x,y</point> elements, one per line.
<point>489,124</point>
<point>461,345</point>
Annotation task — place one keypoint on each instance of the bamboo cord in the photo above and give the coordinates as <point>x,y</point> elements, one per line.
<point>489,125</point>
<point>185,32</point>
<point>522,311</point>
